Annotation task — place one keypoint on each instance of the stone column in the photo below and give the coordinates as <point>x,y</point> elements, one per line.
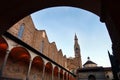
<point>114,34</point>
<point>68,76</point>
<point>63,76</point>
<point>112,25</point>
<point>4,63</point>
<point>53,74</point>
<point>28,73</point>
<point>58,75</point>
<point>43,75</point>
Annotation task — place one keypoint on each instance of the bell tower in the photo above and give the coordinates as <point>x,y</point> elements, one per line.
<point>77,52</point>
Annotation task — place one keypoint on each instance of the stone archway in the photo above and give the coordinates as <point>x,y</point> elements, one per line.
<point>17,64</point>
<point>61,74</point>
<point>55,75</point>
<point>48,71</point>
<point>16,10</point>
<point>108,10</point>
<point>65,76</point>
<point>36,71</point>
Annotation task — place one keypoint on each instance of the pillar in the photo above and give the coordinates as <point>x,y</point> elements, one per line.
<point>4,63</point>
<point>58,75</point>
<point>53,74</point>
<point>28,73</point>
<point>43,72</point>
<point>110,15</point>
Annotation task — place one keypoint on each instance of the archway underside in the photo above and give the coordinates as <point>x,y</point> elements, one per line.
<point>16,10</point>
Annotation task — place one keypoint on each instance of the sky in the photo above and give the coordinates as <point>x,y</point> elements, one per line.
<point>62,23</point>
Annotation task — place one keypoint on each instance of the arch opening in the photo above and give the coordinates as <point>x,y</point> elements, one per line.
<point>17,64</point>
<point>37,68</point>
<point>23,55</point>
<point>48,26</point>
<point>65,76</point>
<point>56,73</point>
<point>19,54</point>
<point>61,74</point>
<point>48,71</point>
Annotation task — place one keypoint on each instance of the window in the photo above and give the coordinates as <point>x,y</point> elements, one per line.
<point>20,32</point>
<point>42,46</point>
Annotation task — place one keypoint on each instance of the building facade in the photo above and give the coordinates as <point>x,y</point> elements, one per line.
<point>91,71</point>
<point>36,58</point>
<point>38,40</point>
<point>107,10</point>
<point>39,59</point>
<point>74,63</point>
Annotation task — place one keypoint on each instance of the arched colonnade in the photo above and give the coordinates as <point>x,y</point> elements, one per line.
<point>19,63</point>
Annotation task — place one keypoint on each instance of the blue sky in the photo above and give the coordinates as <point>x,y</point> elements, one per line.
<point>61,24</point>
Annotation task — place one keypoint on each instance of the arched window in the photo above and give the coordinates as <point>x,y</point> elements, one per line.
<point>41,46</point>
<point>20,32</point>
<point>91,77</point>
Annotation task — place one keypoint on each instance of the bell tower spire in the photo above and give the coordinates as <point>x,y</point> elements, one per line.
<point>77,52</point>
<point>76,47</point>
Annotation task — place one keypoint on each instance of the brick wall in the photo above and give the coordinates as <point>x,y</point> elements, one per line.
<point>34,38</point>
